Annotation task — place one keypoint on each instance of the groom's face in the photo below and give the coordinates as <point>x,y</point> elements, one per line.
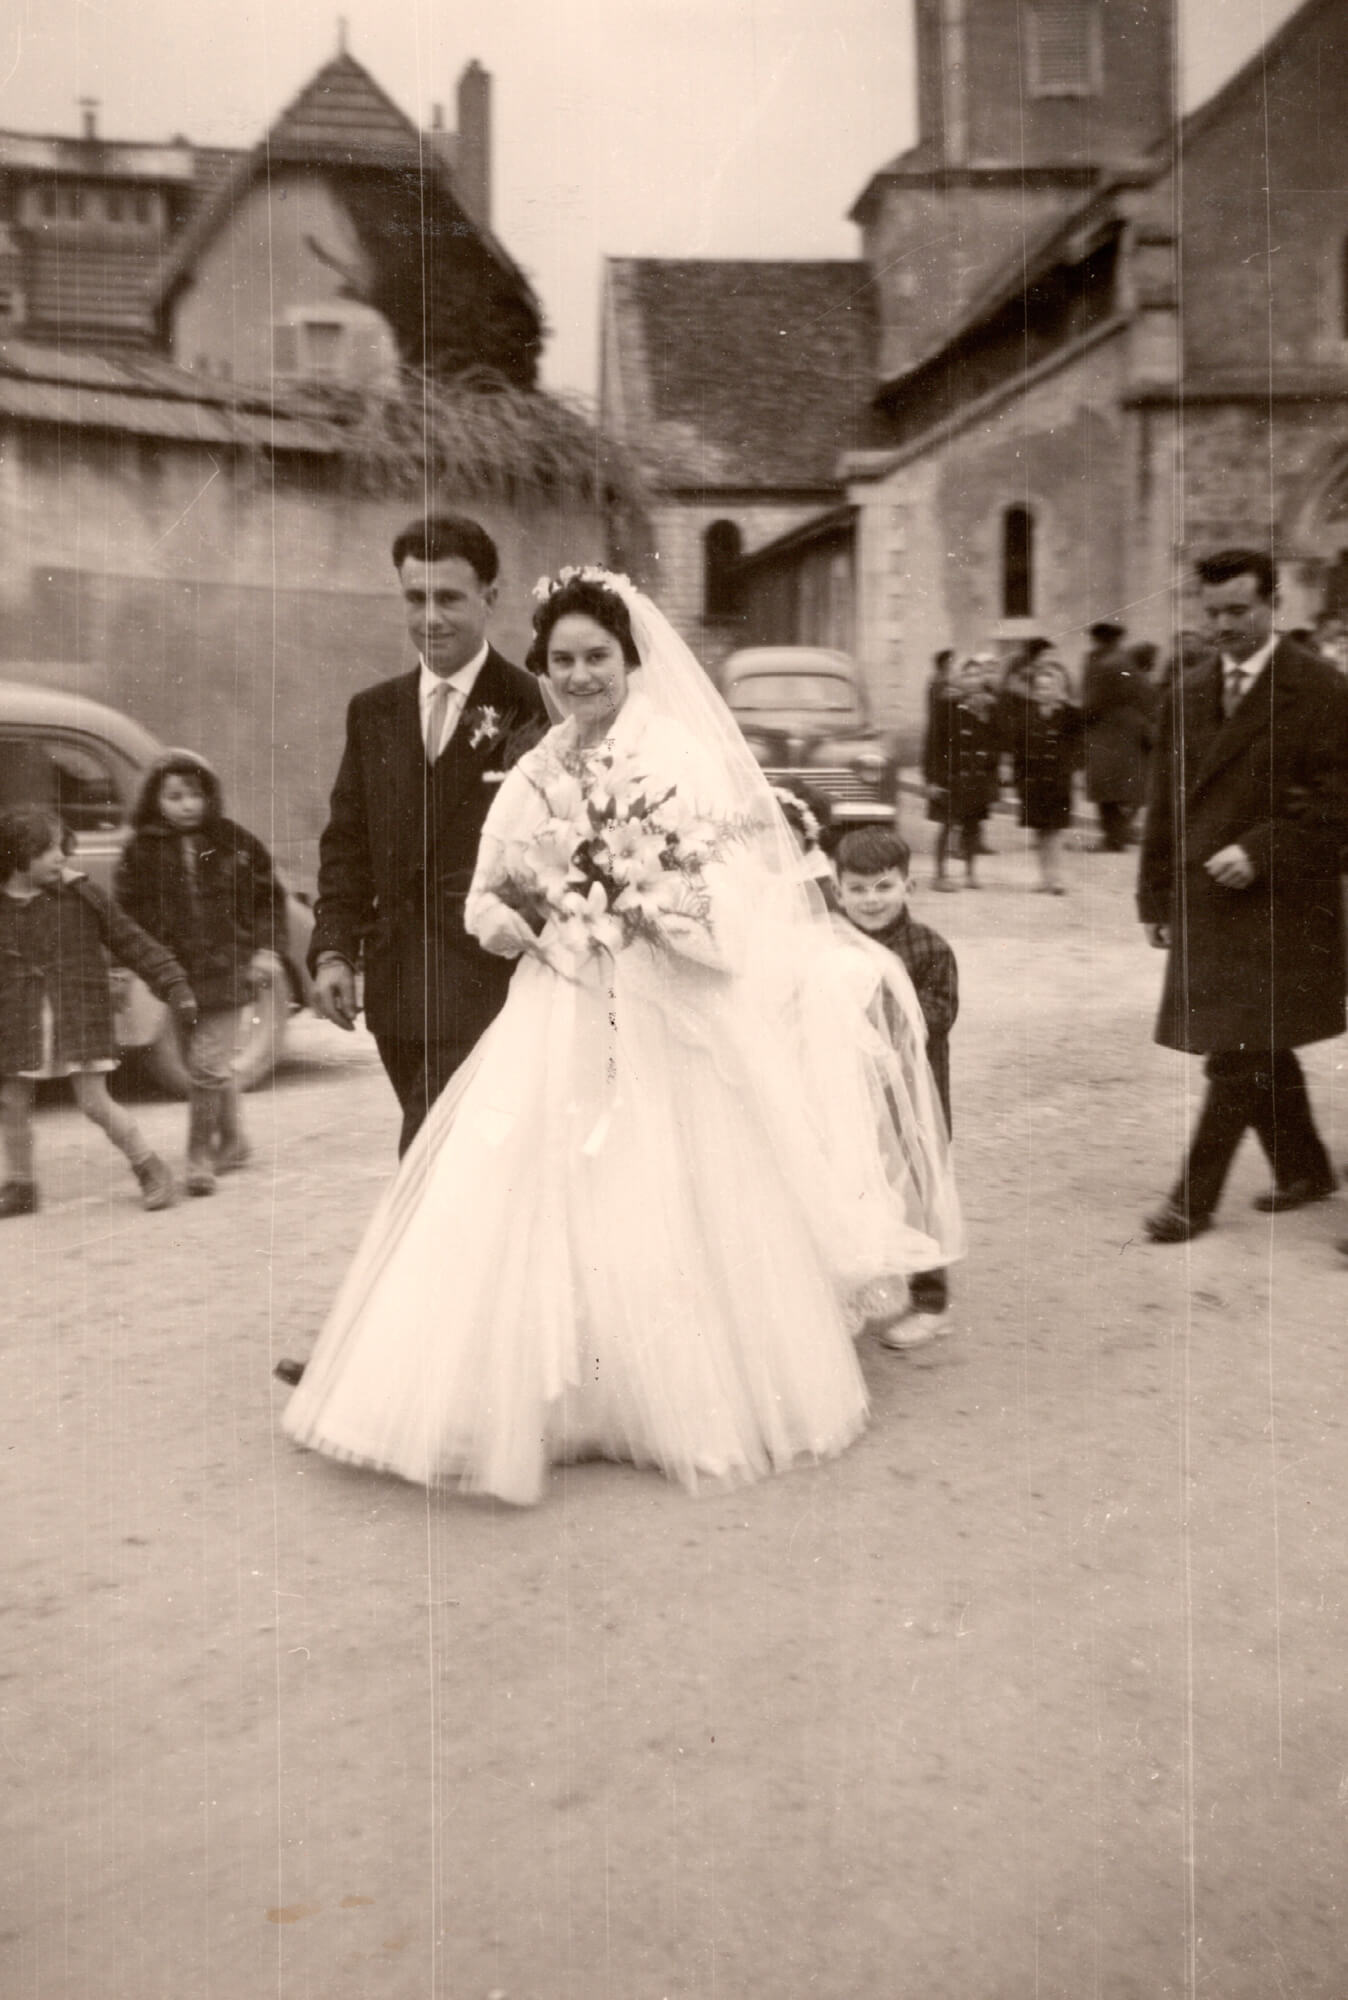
<point>447,606</point>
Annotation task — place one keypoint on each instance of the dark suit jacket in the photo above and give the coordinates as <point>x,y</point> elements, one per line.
<point>397,855</point>
<point>1256,968</point>
<point>1116,704</point>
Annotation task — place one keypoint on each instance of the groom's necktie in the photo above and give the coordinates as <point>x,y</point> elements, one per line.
<point>1233,690</point>
<point>441,711</point>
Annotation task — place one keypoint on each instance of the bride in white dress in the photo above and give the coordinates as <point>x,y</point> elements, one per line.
<point>639,1220</point>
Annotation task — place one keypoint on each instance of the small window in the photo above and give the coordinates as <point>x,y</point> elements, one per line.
<point>285,350</point>
<point>47,197</point>
<point>71,203</point>
<point>1017,563</point>
<point>114,205</point>
<point>1064,48</point>
<point>143,205</point>
<point>323,346</point>
<point>721,550</point>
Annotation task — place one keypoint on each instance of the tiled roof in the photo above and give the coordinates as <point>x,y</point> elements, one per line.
<point>144,398</point>
<point>749,374</point>
<point>342,114</point>
<point>341,119</point>
<point>90,289</point>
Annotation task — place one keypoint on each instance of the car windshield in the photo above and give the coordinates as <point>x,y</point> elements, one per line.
<point>809,691</point>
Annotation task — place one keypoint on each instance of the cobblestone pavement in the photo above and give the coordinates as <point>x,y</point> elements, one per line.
<point>1039,1691</point>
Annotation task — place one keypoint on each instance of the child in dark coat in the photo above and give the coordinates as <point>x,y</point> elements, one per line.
<point>1044,734</point>
<point>872,865</point>
<point>58,934</point>
<point>960,765</point>
<point>207,890</point>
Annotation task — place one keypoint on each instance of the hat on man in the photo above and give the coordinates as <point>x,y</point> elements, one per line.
<point>1106,632</point>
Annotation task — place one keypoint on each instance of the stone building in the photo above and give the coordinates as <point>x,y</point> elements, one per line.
<point>1105,339</point>
<point>739,385</point>
<point>207,546</point>
<point>348,244</point>
<point>84,225</point>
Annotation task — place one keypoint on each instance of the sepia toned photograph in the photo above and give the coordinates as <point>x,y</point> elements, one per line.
<point>673,1058</point>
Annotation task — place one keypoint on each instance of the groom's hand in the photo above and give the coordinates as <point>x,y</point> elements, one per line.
<point>335,992</point>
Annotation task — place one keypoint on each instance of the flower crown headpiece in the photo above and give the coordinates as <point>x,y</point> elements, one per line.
<point>797,814</point>
<point>607,579</point>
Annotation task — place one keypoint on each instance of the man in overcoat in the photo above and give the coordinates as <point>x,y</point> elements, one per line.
<point>1116,705</point>
<point>1239,881</point>
<point>424,753</point>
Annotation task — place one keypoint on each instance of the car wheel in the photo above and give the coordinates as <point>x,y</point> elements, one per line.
<point>262,1028</point>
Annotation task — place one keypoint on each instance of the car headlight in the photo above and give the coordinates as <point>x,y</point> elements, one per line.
<point>872,762</point>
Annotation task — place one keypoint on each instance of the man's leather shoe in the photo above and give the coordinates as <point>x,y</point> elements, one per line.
<point>1297,1194</point>
<point>1170,1224</point>
<point>288,1371</point>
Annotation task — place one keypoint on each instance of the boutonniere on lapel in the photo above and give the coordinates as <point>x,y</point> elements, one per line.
<point>513,745</point>
<point>484,724</point>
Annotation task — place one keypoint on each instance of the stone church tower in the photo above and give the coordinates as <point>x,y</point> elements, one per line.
<point>1023,105</point>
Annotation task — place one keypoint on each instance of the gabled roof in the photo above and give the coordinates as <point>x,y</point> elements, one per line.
<point>736,373</point>
<point>1063,239</point>
<point>342,119</point>
<point>1252,75</point>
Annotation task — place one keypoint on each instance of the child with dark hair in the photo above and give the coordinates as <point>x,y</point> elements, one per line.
<point>1044,733</point>
<point>872,864</point>
<point>960,765</point>
<point>57,936</point>
<point>207,890</point>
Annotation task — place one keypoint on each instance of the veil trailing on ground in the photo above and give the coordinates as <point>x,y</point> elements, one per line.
<point>827,1023</point>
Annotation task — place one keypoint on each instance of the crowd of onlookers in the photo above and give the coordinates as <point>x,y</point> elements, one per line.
<point>1035,722</point>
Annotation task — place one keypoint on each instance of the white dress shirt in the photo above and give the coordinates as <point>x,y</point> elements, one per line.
<point>461,684</point>
<point>1234,691</point>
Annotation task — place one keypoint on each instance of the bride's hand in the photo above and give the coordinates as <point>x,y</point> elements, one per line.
<point>505,933</point>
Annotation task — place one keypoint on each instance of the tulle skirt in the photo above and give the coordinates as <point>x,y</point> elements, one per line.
<point>592,1249</point>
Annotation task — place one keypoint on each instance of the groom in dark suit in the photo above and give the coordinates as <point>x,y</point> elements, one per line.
<point>1240,883</point>
<point>415,781</point>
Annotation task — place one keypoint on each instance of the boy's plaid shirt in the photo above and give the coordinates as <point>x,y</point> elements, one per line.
<point>931,966</point>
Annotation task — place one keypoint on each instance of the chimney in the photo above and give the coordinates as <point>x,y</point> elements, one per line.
<point>89,117</point>
<point>472,176</point>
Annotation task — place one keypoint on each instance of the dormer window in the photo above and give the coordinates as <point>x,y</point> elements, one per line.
<point>338,341</point>
<point>1066,56</point>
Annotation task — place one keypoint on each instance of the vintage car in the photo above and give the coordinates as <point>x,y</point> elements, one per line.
<point>804,714</point>
<point>59,749</point>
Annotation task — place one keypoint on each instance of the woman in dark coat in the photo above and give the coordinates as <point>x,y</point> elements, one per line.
<point>961,764</point>
<point>1116,703</point>
<point>1044,738</point>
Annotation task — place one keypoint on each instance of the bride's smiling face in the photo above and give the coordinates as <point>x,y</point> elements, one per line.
<point>587,671</point>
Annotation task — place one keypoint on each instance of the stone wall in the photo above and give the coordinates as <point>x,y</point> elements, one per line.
<point>929,552</point>
<point>226,605</point>
<point>674,572</point>
<point>1263,214</point>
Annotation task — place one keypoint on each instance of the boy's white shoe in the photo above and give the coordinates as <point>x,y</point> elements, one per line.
<point>913,1329</point>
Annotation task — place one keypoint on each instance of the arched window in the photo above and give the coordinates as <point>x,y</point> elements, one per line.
<point>1017,563</point>
<point>721,550</point>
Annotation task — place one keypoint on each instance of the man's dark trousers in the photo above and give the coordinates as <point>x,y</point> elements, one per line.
<point>1264,1091</point>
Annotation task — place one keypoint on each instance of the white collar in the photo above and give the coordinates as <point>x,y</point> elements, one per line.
<point>461,679</point>
<point>1247,669</point>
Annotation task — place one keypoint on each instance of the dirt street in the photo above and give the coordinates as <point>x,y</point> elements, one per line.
<point>1039,1691</point>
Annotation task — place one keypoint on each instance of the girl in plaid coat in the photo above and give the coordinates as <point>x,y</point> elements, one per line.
<point>58,934</point>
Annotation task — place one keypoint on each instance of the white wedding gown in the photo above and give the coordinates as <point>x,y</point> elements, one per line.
<point>619,1232</point>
